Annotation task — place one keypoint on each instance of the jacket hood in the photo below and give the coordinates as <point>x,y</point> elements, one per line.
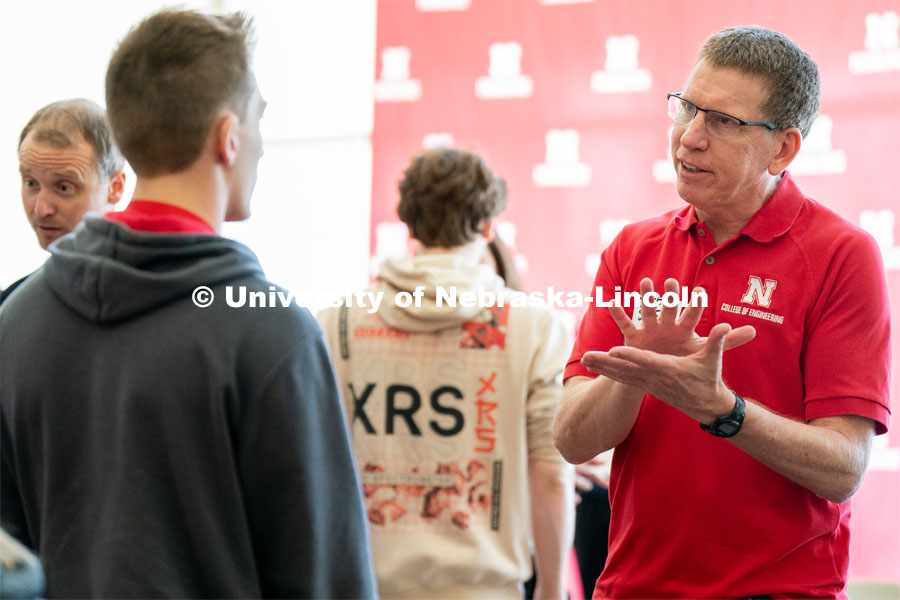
<point>438,274</point>
<point>106,272</point>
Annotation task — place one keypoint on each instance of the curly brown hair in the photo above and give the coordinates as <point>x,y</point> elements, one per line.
<point>445,196</point>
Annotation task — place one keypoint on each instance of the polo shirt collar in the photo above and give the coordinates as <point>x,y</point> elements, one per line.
<point>777,215</point>
<point>685,218</point>
<point>770,222</point>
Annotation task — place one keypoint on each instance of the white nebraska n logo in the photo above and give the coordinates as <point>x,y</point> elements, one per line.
<point>763,296</point>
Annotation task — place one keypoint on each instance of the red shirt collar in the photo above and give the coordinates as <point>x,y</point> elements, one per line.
<point>770,222</point>
<point>159,217</point>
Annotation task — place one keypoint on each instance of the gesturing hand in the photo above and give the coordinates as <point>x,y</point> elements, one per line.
<point>666,357</point>
<point>670,332</point>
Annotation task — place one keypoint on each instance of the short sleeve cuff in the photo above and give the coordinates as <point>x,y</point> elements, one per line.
<point>575,368</point>
<point>835,407</point>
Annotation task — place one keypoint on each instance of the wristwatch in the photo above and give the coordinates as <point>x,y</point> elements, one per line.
<point>729,425</point>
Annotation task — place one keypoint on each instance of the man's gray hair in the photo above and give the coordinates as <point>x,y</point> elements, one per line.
<point>56,123</point>
<point>792,76</point>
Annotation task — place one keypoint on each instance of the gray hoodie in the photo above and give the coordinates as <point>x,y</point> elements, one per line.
<point>154,448</point>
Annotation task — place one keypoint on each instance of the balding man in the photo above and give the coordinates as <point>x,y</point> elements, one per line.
<point>70,165</point>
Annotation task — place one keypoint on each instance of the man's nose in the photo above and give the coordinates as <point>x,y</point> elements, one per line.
<point>45,204</point>
<point>696,135</point>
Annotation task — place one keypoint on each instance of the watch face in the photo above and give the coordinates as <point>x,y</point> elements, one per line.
<point>728,428</point>
<point>730,425</point>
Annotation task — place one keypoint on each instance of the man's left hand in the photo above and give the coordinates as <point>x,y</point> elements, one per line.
<point>692,383</point>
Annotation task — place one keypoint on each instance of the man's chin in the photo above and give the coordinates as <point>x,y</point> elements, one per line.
<point>688,193</point>
<point>683,191</point>
<point>45,239</point>
<point>237,211</point>
<point>237,215</point>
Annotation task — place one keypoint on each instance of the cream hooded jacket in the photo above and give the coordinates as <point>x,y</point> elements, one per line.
<point>447,405</point>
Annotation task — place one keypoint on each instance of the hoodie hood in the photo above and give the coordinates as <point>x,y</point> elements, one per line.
<point>106,272</point>
<point>433,271</point>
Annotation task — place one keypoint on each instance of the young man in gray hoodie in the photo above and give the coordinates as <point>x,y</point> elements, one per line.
<point>157,442</point>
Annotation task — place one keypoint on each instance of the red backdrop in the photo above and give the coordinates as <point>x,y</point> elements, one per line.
<point>566,101</point>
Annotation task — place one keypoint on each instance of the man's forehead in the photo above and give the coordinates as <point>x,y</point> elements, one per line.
<point>726,85</point>
<point>76,159</point>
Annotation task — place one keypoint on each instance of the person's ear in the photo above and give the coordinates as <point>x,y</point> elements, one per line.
<point>790,139</point>
<point>116,187</point>
<point>227,141</point>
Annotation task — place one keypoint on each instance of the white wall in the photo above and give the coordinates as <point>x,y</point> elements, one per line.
<point>314,62</point>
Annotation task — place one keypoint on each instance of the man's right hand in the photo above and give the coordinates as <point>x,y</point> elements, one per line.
<point>597,414</point>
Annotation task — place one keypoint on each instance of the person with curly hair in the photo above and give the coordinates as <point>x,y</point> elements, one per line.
<point>450,403</point>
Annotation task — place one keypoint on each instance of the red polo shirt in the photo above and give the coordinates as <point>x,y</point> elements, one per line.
<point>693,516</point>
<point>147,215</point>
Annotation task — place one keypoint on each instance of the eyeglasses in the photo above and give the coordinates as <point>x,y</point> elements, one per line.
<point>717,123</point>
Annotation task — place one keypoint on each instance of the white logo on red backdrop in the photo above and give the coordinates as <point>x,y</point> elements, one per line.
<point>880,225</point>
<point>882,51</point>
<point>442,5</point>
<point>505,78</point>
<point>395,84</point>
<point>609,229</point>
<point>562,166</point>
<point>438,140</point>
<point>816,156</point>
<point>621,73</point>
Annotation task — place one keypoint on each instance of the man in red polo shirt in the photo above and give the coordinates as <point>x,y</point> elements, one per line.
<point>742,430</point>
<point>156,441</point>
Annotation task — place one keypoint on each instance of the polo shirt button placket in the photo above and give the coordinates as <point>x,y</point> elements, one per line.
<point>709,260</point>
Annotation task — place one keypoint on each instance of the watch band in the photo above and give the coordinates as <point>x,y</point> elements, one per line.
<point>730,425</point>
